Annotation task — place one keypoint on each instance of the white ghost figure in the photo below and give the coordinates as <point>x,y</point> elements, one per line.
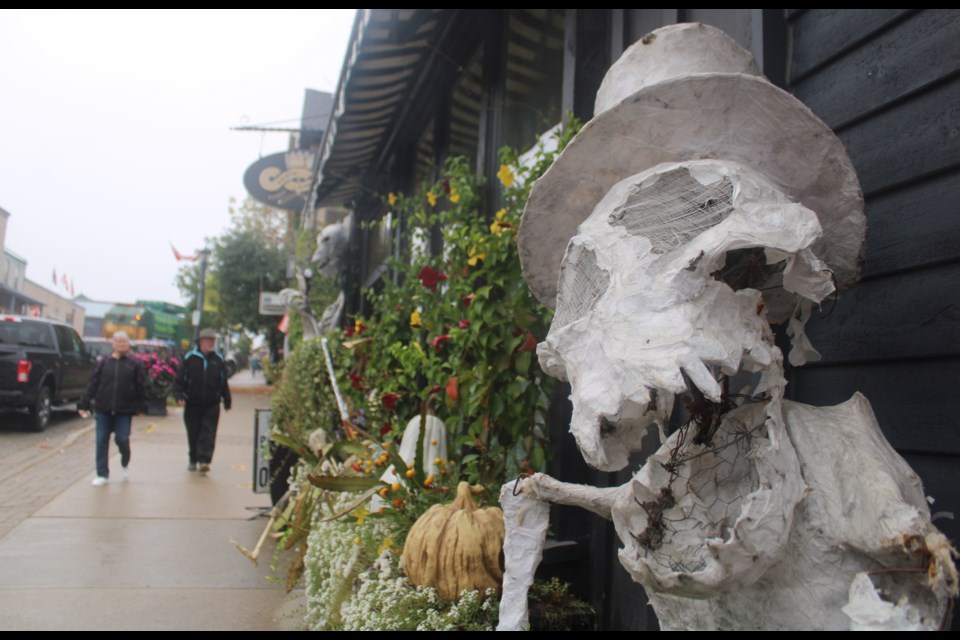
<point>331,243</point>
<point>759,513</point>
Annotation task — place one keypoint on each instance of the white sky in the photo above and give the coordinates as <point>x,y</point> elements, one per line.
<point>115,136</point>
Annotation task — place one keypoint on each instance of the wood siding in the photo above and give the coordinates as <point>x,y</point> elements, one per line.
<point>888,82</point>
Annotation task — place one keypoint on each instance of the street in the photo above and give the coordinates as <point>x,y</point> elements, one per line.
<point>36,467</point>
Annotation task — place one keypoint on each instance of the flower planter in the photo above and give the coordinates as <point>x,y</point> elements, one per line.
<point>157,407</point>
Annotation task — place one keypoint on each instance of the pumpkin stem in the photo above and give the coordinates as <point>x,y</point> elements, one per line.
<point>464,499</point>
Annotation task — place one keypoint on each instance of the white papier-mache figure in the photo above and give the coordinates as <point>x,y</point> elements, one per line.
<point>325,261</point>
<point>699,206</point>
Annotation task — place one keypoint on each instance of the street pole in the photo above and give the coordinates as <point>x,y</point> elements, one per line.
<point>204,256</point>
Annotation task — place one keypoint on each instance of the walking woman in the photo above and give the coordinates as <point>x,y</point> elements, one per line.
<point>118,392</point>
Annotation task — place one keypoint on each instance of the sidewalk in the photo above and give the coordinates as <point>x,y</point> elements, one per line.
<point>153,552</point>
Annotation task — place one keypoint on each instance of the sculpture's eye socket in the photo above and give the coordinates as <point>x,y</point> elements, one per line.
<point>673,209</point>
<point>581,284</point>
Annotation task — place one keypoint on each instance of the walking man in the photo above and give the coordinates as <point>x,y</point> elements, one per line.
<point>118,391</point>
<point>200,387</point>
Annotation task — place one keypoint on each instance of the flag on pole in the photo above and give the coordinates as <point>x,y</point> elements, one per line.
<point>284,325</point>
<point>54,275</point>
<point>65,281</point>
<point>179,256</point>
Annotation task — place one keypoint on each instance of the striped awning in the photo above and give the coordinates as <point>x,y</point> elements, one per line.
<point>387,50</point>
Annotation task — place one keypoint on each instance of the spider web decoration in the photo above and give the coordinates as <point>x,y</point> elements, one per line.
<point>582,283</point>
<point>674,209</point>
<point>704,497</point>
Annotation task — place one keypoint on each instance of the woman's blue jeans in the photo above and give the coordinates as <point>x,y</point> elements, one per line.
<point>119,425</point>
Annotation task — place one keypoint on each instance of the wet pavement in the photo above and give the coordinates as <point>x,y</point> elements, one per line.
<point>153,552</point>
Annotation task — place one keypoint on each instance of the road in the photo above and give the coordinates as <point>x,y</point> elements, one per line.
<point>37,467</point>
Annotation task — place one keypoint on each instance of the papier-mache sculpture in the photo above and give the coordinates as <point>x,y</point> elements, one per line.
<point>698,207</point>
<point>325,261</point>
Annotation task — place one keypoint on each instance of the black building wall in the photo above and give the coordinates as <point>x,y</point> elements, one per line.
<point>888,82</point>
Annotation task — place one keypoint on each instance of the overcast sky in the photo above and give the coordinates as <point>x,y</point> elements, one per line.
<point>115,131</point>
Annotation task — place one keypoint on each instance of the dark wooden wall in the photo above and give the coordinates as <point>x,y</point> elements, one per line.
<point>888,82</point>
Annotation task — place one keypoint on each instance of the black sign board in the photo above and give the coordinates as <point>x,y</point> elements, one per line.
<point>281,180</point>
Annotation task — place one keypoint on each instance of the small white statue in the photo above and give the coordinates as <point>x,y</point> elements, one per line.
<point>331,243</point>
<point>699,206</point>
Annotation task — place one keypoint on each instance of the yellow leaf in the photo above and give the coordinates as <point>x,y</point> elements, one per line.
<point>505,175</point>
<point>356,342</point>
<point>454,195</point>
<point>391,198</point>
<point>432,199</point>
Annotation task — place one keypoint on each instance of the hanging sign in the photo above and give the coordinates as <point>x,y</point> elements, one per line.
<point>281,180</point>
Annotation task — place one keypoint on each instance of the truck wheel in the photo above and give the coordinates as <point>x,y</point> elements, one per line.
<point>40,412</point>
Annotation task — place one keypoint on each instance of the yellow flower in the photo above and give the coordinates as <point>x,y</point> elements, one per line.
<point>499,226</point>
<point>454,195</point>
<point>475,257</point>
<point>361,515</point>
<point>415,319</point>
<point>387,544</point>
<point>432,199</point>
<point>505,175</point>
<point>391,198</point>
<point>356,540</point>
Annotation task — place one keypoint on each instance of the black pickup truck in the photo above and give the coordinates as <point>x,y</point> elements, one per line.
<point>43,364</point>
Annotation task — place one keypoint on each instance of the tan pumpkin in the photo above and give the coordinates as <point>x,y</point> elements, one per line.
<point>455,547</point>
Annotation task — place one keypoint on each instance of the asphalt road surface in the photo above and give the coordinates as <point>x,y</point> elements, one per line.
<point>36,467</point>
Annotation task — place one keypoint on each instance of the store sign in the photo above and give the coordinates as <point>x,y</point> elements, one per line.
<point>281,180</point>
<point>271,304</point>
<point>261,451</point>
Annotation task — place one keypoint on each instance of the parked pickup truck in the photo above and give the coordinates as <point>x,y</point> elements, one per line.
<point>43,364</point>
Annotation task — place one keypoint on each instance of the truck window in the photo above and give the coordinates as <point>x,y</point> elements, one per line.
<point>26,334</point>
<point>65,338</point>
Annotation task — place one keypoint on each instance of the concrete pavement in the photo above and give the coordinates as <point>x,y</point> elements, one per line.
<point>153,552</point>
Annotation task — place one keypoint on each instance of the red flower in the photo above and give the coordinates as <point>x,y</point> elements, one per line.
<point>438,341</point>
<point>435,389</point>
<point>390,401</point>
<point>348,331</point>
<point>464,324</point>
<point>386,428</point>
<point>530,344</point>
<point>356,381</point>
<point>430,277</point>
<point>446,185</point>
<point>467,299</point>
<point>452,391</point>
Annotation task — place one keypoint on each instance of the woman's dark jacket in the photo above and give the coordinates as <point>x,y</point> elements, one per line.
<point>117,386</point>
<point>202,380</point>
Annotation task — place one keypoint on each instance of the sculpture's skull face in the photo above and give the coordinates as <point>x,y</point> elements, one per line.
<point>331,243</point>
<point>662,287</point>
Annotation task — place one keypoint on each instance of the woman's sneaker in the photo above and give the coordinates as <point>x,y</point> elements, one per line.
<point>99,481</point>
<point>204,468</point>
<point>192,466</point>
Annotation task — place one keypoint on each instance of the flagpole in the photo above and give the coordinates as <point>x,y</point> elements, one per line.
<point>204,255</point>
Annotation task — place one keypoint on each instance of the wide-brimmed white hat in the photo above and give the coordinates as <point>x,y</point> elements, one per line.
<point>690,92</point>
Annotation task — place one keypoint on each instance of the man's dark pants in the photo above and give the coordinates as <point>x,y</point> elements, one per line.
<point>201,422</point>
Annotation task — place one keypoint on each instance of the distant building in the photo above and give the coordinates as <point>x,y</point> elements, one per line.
<point>13,269</point>
<point>94,316</point>
<point>55,306</point>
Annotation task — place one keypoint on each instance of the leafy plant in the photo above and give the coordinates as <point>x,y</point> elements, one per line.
<point>455,333</point>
